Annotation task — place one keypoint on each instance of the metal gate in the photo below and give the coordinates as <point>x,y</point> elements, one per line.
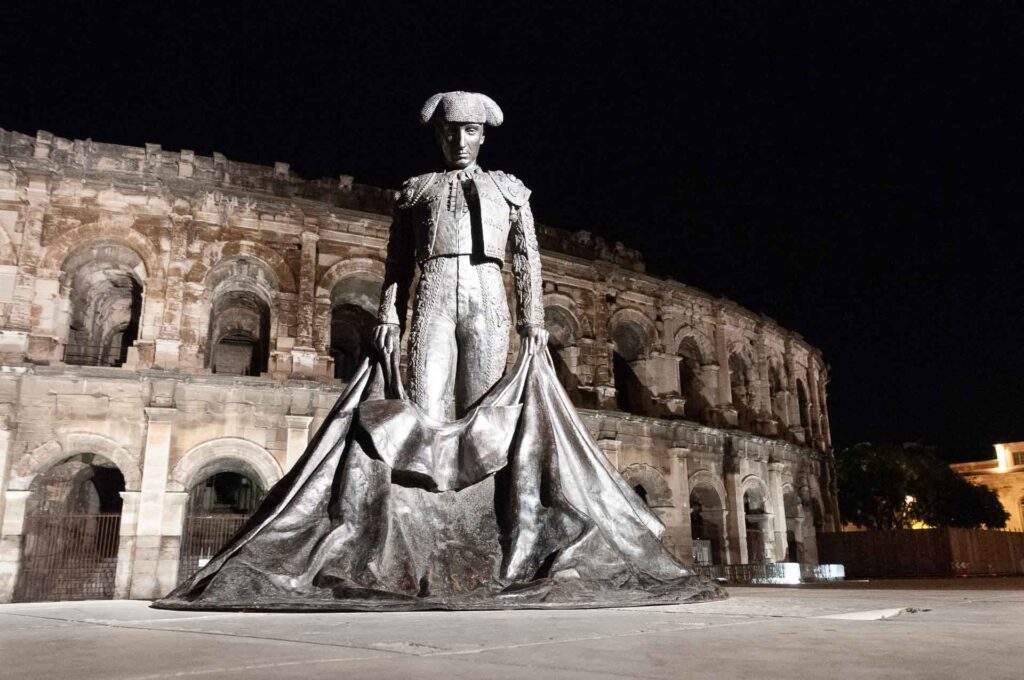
<point>68,557</point>
<point>203,538</point>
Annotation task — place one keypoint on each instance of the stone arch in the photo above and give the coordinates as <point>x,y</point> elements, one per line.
<point>705,478</point>
<point>702,343</point>
<point>223,454</point>
<point>633,336</point>
<point>100,232</point>
<point>658,494</point>
<point>755,483</point>
<point>363,267</point>
<point>583,326</point>
<point>634,318</point>
<point>64,446</point>
<point>218,251</point>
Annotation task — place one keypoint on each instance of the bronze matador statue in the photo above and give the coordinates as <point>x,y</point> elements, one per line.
<point>482,489</point>
<point>456,225</point>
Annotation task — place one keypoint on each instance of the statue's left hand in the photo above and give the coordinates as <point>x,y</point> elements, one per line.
<point>535,338</point>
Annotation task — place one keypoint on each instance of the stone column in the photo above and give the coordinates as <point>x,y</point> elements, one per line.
<point>303,354</point>
<point>812,397</point>
<point>778,509</point>
<point>5,447</point>
<point>736,527</point>
<point>11,538</point>
<point>727,415</point>
<point>679,482</point>
<point>155,468</point>
<point>126,544</point>
<point>612,448</point>
<point>298,438</point>
<point>172,526</point>
<point>167,348</point>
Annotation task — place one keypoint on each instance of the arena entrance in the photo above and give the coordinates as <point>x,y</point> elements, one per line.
<point>216,509</point>
<point>72,532</point>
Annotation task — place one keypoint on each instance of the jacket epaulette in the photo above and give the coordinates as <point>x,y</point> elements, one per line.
<point>414,189</point>
<point>514,191</point>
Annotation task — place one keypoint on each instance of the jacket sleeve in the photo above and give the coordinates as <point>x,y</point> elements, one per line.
<point>399,268</point>
<point>526,269</point>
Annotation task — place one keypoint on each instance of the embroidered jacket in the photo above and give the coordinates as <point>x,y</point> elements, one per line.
<point>467,212</point>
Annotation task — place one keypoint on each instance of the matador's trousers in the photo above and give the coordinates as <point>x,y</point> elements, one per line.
<point>458,344</point>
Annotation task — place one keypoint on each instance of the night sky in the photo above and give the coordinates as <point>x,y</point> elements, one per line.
<point>851,170</point>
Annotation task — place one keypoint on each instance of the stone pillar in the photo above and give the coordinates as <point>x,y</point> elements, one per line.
<point>298,438</point>
<point>303,354</point>
<point>5,447</point>
<point>778,509</point>
<point>307,283</point>
<point>736,526</point>
<point>126,544</point>
<point>11,538</point>
<point>175,503</point>
<point>612,448</point>
<point>679,482</point>
<point>155,467</point>
<point>726,414</point>
<point>812,397</point>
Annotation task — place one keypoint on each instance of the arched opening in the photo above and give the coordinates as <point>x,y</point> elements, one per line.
<point>72,532</point>
<point>742,391</point>
<point>691,383</point>
<point>104,287</point>
<point>802,404</point>
<point>562,329</point>
<point>794,527</point>
<point>217,507</point>
<point>776,393</point>
<point>239,333</point>
<point>707,526</point>
<point>756,519</point>
<point>642,493</point>
<point>630,343</point>
<point>351,331</point>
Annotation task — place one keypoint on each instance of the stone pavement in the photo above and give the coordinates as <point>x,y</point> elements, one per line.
<point>913,630</point>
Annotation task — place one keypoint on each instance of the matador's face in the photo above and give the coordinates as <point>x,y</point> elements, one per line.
<point>460,143</point>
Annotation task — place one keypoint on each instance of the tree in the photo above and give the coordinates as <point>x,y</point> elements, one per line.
<point>894,486</point>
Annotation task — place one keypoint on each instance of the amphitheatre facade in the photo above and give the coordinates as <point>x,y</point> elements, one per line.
<point>173,328</point>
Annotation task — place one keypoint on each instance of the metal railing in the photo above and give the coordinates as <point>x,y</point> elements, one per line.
<point>68,557</point>
<point>203,538</point>
<point>94,355</point>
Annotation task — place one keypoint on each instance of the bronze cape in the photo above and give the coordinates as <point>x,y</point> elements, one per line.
<point>512,506</point>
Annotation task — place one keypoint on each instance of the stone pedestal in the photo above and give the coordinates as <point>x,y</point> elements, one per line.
<point>303,362</point>
<point>166,353</point>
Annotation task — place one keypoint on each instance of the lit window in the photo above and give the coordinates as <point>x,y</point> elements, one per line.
<point>1018,458</point>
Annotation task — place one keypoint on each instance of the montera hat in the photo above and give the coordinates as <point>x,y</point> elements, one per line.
<point>461,107</point>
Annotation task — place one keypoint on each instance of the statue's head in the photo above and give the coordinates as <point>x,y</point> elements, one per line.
<point>459,120</point>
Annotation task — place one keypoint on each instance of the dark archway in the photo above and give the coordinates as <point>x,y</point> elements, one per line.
<point>630,343</point>
<point>105,303</point>
<point>756,519</point>
<point>707,526</point>
<point>742,391</point>
<point>72,532</point>
<point>239,333</point>
<point>216,509</point>
<point>803,405</point>
<point>351,330</point>
<point>691,383</point>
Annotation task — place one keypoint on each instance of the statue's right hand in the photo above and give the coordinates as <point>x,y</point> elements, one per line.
<point>385,338</point>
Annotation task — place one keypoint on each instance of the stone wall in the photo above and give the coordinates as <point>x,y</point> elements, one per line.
<point>128,276</point>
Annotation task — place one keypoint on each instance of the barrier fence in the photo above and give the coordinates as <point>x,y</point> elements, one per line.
<point>924,552</point>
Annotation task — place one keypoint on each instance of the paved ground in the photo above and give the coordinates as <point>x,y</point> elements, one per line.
<point>923,629</point>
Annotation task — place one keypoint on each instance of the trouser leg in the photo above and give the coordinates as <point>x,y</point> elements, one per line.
<point>432,344</point>
<point>482,331</point>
